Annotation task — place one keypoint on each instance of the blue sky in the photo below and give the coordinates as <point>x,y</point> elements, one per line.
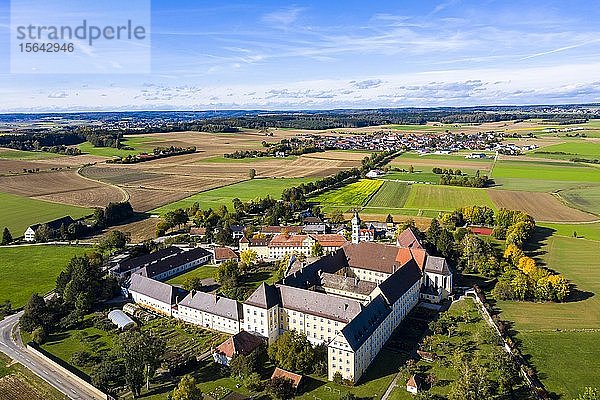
<point>330,54</point>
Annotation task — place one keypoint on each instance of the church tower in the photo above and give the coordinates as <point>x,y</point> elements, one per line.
<point>355,228</point>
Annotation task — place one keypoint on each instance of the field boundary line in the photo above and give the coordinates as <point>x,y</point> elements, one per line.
<point>126,196</point>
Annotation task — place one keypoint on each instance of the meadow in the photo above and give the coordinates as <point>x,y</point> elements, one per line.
<point>546,170</point>
<point>552,334</point>
<point>247,190</point>
<point>138,144</point>
<point>413,177</point>
<point>32,269</point>
<point>18,212</point>
<point>437,197</point>
<point>586,198</point>
<point>576,148</point>
<point>353,194</point>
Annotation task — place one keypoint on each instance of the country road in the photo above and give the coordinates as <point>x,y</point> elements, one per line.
<point>14,348</point>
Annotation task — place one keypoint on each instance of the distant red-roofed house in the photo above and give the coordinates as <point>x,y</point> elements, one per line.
<point>198,231</point>
<point>303,244</point>
<point>414,384</point>
<point>242,343</point>
<point>223,254</point>
<point>408,239</point>
<point>481,230</point>
<point>282,373</point>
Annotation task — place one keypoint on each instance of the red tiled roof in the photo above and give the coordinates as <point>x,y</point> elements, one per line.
<point>198,231</point>
<point>408,239</point>
<point>242,343</point>
<point>225,253</point>
<point>481,230</point>
<point>282,373</point>
<point>419,255</point>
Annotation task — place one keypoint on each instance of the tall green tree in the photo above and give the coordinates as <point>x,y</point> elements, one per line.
<point>141,354</point>
<point>187,389</point>
<point>35,314</point>
<point>6,237</point>
<point>292,351</point>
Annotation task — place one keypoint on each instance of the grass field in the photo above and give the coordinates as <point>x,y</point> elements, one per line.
<point>582,148</point>
<point>138,143</point>
<point>566,362</point>
<point>26,155</point>
<point>244,191</point>
<point>550,333</point>
<point>18,212</point>
<point>390,195</point>
<point>203,272</point>
<point>437,197</point>
<point>551,171</point>
<point>586,231</point>
<point>32,269</point>
<point>354,194</point>
<point>587,199</point>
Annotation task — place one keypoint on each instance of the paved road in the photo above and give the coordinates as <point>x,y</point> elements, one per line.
<point>14,348</point>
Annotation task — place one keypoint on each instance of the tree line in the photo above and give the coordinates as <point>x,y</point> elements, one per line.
<point>158,152</point>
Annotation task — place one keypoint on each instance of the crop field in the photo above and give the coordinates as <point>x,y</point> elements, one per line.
<point>552,332</point>
<point>437,197</point>
<point>419,177</point>
<point>32,269</point>
<point>18,212</point>
<point>587,199</point>
<point>390,195</point>
<point>354,194</point>
<point>19,383</point>
<point>427,162</point>
<point>65,187</point>
<point>541,206</point>
<point>247,190</point>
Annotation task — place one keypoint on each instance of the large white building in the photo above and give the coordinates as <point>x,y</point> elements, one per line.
<point>279,245</point>
<point>351,299</point>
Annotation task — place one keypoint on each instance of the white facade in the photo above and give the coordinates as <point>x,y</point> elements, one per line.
<point>29,235</point>
<point>262,322</point>
<point>182,268</point>
<point>208,320</point>
<point>152,304</point>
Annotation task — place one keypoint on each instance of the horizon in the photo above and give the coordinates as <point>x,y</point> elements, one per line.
<point>311,56</point>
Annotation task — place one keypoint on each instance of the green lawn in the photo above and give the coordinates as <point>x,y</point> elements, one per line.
<point>354,194</point>
<point>32,269</point>
<point>390,195</point>
<point>456,156</point>
<point>247,190</point>
<point>566,362</point>
<point>587,199</point>
<point>18,212</point>
<point>26,155</point>
<point>203,272</point>
<point>438,197</point>
<point>534,185</point>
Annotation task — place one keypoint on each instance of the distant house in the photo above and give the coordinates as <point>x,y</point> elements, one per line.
<point>374,173</point>
<point>314,225</point>
<point>198,231</point>
<point>120,319</point>
<point>476,155</point>
<point>271,230</point>
<point>282,373</point>
<point>414,384</point>
<point>223,254</point>
<point>281,245</point>
<point>481,230</point>
<point>242,343</point>
<point>54,227</point>
<point>258,244</point>
<point>237,231</point>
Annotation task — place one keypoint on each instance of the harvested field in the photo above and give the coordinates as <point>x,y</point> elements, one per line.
<point>115,175</point>
<point>541,206</point>
<point>17,166</point>
<point>13,387</point>
<point>62,187</point>
<point>141,230</point>
<point>143,200</point>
